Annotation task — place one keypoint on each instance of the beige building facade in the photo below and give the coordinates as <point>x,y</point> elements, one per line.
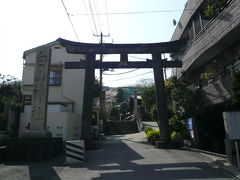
<point>65,98</point>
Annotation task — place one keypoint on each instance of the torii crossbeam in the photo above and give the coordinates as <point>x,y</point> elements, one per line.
<point>90,64</point>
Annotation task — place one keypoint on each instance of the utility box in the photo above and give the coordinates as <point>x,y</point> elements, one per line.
<point>232,124</point>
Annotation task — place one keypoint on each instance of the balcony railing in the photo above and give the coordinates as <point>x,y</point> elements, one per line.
<point>212,33</point>
<point>216,89</point>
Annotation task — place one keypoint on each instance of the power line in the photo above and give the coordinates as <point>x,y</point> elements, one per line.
<point>136,12</point>
<point>138,57</point>
<point>122,73</point>
<point>131,77</point>
<point>88,17</point>
<point>92,14</point>
<point>97,12</point>
<point>70,20</point>
<point>106,10</point>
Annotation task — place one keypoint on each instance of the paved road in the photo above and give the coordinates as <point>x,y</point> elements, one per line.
<point>151,124</point>
<point>125,157</point>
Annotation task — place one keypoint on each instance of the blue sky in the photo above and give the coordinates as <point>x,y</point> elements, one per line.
<point>26,24</point>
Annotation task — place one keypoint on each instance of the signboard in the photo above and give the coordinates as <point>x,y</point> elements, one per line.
<point>232,124</point>
<point>189,124</point>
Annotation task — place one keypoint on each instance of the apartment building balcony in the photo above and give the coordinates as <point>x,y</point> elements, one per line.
<point>216,90</point>
<point>215,37</point>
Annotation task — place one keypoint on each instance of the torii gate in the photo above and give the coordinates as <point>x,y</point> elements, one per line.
<point>90,64</point>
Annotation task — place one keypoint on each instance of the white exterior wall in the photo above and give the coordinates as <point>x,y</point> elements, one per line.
<point>60,124</point>
<point>70,90</point>
<point>51,108</point>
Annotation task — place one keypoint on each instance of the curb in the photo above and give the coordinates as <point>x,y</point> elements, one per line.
<point>222,164</point>
<point>206,152</point>
<point>228,168</point>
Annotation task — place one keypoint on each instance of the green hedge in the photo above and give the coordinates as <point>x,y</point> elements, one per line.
<point>146,129</point>
<point>152,135</point>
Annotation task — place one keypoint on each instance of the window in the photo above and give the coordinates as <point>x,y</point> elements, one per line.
<point>27,99</point>
<point>197,24</point>
<point>55,78</point>
<point>191,31</point>
<point>205,19</point>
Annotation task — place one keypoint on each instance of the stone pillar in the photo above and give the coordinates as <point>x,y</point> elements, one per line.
<point>160,97</point>
<point>88,99</point>
<point>135,105</point>
<point>40,94</point>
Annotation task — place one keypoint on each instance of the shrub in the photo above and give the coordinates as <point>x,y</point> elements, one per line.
<point>176,137</point>
<point>235,86</point>
<point>153,135</point>
<point>146,129</point>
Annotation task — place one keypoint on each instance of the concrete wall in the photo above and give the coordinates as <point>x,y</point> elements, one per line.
<point>51,108</point>
<point>217,91</point>
<point>190,9</point>
<point>214,38</point>
<point>214,42</point>
<point>60,124</point>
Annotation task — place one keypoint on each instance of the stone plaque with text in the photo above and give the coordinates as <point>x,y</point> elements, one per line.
<point>40,89</point>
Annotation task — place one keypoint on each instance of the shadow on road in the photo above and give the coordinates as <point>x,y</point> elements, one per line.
<point>42,170</point>
<point>118,161</point>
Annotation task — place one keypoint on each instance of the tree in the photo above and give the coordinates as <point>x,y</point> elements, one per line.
<point>123,108</point>
<point>10,97</point>
<point>143,83</point>
<point>235,96</point>
<point>182,98</point>
<point>120,95</point>
<point>114,114</point>
<point>149,102</point>
<point>97,89</point>
<point>214,7</point>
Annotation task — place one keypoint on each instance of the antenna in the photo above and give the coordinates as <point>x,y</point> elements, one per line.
<point>177,23</point>
<point>174,22</point>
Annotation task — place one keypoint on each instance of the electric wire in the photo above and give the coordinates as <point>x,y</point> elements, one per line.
<point>96,7</point>
<point>70,20</point>
<point>136,12</point>
<point>121,73</point>
<point>106,10</point>
<point>137,57</point>
<point>92,14</point>
<point>89,19</point>
<point>130,77</point>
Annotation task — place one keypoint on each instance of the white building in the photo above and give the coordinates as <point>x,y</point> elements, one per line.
<point>65,98</point>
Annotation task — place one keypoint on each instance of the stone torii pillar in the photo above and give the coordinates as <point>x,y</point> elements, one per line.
<point>160,96</point>
<point>88,98</point>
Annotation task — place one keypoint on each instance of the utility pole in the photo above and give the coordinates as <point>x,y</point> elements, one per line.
<point>100,77</point>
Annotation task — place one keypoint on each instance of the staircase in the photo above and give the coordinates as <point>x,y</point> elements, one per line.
<point>121,127</point>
